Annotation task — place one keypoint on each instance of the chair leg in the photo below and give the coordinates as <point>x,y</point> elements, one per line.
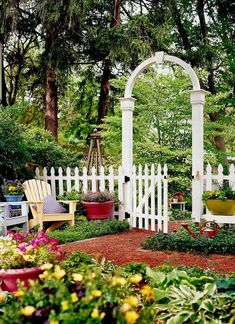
<point>32,223</point>
<point>54,226</point>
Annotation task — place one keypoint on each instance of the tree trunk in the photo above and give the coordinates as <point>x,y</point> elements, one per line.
<point>107,71</point>
<point>214,117</point>
<point>51,107</point>
<point>2,79</point>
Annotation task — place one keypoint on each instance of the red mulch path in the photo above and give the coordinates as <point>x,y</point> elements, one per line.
<point>126,247</point>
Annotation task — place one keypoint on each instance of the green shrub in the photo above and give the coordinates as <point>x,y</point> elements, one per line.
<point>222,243</point>
<point>179,215</point>
<point>85,230</point>
<point>72,195</point>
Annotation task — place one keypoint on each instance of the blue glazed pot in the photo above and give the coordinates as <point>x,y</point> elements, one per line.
<point>13,198</point>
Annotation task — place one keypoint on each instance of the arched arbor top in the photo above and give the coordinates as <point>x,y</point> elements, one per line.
<point>160,57</point>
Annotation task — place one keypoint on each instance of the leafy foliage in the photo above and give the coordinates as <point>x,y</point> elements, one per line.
<point>83,291</point>
<point>222,243</point>
<point>87,230</point>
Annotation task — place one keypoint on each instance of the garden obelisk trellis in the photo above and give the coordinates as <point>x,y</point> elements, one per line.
<point>197,99</point>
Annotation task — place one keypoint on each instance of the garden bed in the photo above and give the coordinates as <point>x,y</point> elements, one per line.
<point>126,247</point>
<point>86,230</point>
<point>81,290</point>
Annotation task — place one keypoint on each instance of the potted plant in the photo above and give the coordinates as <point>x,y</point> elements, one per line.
<point>13,191</point>
<point>22,254</point>
<point>98,205</point>
<point>220,202</point>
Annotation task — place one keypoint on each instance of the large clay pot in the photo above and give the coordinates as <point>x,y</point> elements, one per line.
<point>10,277</point>
<point>221,207</point>
<point>98,210</point>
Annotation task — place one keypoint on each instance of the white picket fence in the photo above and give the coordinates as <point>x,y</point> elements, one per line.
<point>213,179</point>
<point>147,190</point>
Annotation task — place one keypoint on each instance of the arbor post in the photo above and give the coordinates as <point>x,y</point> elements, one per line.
<point>197,100</point>
<point>127,108</point>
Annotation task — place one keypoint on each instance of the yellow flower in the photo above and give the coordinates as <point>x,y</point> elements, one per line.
<point>19,293</point>
<point>46,266</point>
<point>132,300</point>
<point>29,248</point>
<point>77,277</point>
<point>11,188</point>
<point>2,296</point>
<point>59,274</point>
<point>118,281</point>
<point>102,315</point>
<point>74,297</point>
<point>135,279</point>
<point>28,310</point>
<point>147,291</point>
<point>125,307</point>
<point>96,293</point>
<point>53,322</point>
<point>95,313</point>
<point>65,305</point>
<point>28,258</point>
<point>131,317</point>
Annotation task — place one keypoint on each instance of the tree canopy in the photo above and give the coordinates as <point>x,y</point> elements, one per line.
<point>65,64</point>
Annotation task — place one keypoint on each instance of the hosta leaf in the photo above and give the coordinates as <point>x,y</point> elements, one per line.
<point>210,288</point>
<point>157,276</point>
<point>181,317</point>
<point>186,291</point>
<point>160,294</point>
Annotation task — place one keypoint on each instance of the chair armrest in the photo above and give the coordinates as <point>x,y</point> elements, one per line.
<point>72,205</point>
<point>39,205</point>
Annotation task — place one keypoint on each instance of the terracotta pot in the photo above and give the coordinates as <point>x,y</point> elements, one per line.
<point>221,207</point>
<point>98,210</point>
<point>10,277</point>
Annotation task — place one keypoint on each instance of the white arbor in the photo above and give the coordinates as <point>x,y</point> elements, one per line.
<point>197,99</point>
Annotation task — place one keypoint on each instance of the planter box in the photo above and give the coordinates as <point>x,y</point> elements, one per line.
<point>220,207</point>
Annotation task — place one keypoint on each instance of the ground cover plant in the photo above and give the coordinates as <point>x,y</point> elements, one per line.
<point>182,241</point>
<point>84,230</point>
<point>81,290</point>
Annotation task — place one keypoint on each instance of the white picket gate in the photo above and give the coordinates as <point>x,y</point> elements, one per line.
<point>148,191</point>
<point>213,179</point>
<point>150,198</point>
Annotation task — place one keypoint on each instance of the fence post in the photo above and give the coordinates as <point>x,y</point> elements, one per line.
<point>53,186</point>
<point>165,199</point>
<point>61,184</point>
<point>127,108</point>
<point>159,198</point>
<point>197,100</point>
<point>232,176</point>
<point>152,183</point>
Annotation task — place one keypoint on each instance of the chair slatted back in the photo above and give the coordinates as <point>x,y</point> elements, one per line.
<point>36,190</point>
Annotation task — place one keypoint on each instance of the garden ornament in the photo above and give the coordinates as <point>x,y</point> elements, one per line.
<point>206,229</point>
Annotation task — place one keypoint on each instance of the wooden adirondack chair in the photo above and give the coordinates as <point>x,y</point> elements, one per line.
<point>35,191</point>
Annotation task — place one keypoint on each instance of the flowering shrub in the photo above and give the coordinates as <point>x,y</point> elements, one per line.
<point>12,187</point>
<point>94,296</point>
<point>19,250</point>
<point>225,192</point>
<point>90,297</point>
<point>97,196</point>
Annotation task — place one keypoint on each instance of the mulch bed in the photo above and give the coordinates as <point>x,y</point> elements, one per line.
<point>126,247</point>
